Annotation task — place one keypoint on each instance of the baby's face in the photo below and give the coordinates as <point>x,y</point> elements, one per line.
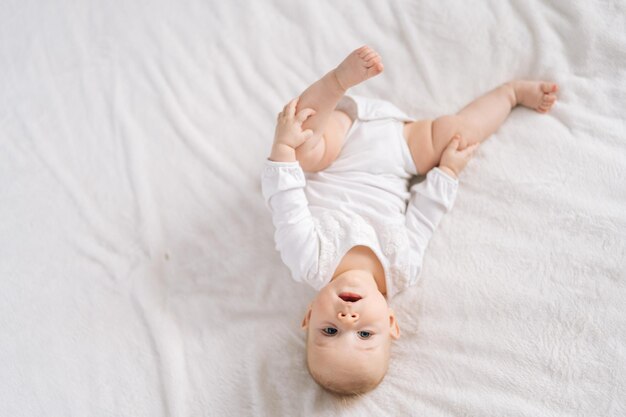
<point>349,326</point>
<point>350,311</point>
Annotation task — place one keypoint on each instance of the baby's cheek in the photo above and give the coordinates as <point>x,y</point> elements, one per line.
<point>320,304</point>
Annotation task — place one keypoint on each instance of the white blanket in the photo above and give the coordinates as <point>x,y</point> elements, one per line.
<point>138,275</point>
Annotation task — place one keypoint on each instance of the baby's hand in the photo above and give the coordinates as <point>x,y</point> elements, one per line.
<point>452,160</point>
<point>289,125</point>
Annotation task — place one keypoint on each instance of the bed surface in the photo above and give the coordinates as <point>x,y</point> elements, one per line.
<point>138,275</point>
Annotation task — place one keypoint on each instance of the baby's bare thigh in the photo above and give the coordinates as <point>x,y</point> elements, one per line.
<point>427,139</point>
<point>335,136</point>
<point>326,150</point>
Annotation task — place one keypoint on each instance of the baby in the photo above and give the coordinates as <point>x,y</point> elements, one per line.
<point>345,227</point>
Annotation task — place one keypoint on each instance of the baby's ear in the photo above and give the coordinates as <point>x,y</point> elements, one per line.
<point>307,317</point>
<point>394,329</point>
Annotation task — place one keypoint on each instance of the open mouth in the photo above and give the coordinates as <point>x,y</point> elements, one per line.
<point>349,297</point>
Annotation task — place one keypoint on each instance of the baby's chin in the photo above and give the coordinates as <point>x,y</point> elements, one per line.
<point>354,279</point>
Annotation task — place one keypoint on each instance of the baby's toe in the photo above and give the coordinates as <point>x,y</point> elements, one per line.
<point>545,106</point>
<point>374,69</point>
<point>364,50</point>
<point>373,61</point>
<point>549,87</point>
<point>369,56</point>
<point>549,100</point>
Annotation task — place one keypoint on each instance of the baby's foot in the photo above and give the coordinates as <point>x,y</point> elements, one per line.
<point>536,95</point>
<point>360,65</point>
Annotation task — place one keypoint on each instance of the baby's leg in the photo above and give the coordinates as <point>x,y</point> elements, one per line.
<point>325,150</point>
<point>330,126</point>
<point>476,122</point>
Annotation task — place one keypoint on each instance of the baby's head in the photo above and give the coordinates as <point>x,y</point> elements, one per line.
<point>349,330</point>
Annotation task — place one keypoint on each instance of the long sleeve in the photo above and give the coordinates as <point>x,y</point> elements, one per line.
<point>296,238</point>
<point>430,201</point>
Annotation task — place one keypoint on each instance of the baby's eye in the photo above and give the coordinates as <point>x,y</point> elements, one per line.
<point>330,331</point>
<point>364,334</point>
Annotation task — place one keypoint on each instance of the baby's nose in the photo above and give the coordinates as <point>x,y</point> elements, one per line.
<point>349,317</point>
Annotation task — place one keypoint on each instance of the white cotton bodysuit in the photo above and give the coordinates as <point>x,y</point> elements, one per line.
<point>360,199</point>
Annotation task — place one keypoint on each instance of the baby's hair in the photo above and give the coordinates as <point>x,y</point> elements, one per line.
<point>353,388</point>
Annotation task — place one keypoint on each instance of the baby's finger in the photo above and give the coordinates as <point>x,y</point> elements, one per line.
<point>304,114</point>
<point>307,134</point>
<point>469,151</point>
<point>454,143</point>
<point>290,110</point>
<point>286,108</point>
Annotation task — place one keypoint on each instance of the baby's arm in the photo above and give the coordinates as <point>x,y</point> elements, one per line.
<point>283,190</point>
<point>289,134</point>
<point>433,198</point>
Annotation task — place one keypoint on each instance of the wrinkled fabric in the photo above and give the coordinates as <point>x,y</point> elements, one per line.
<point>138,275</point>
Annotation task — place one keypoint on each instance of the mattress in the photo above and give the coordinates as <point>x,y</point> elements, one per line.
<point>138,274</point>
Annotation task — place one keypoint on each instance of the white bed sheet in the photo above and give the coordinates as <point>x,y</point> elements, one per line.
<point>137,269</point>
